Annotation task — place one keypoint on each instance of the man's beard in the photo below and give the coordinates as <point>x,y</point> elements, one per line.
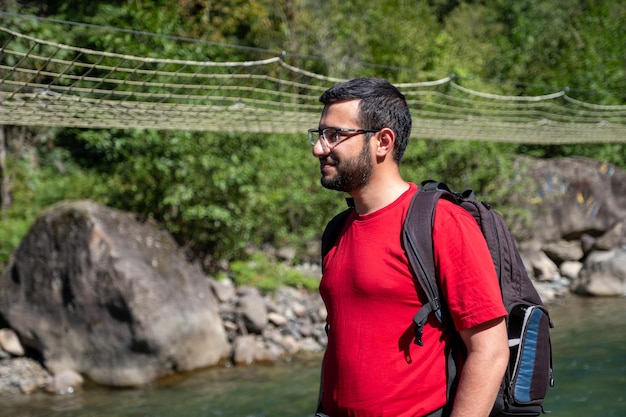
<point>351,174</point>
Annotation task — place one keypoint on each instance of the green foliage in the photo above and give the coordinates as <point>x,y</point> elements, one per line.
<point>361,31</point>
<point>37,183</point>
<point>562,43</point>
<point>614,153</point>
<point>483,166</point>
<point>216,193</point>
<point>12,230</point>
<point>288,188</point>
<point>259,271</point>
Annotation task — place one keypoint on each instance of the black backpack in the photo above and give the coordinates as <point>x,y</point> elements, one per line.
<point>529,373</point>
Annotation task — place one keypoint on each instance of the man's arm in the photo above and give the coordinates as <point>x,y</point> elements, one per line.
<point>487,359</point>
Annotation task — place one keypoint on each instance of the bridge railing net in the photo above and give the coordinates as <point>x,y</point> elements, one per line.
<point>44,83</point>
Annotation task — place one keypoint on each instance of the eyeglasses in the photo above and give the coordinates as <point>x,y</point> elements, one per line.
<point>334,135</point>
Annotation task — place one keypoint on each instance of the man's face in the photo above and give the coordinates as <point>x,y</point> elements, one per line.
<point>346,166</point>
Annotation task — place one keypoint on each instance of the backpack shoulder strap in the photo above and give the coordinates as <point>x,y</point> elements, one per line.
<point>333,228</point>
<point>418,244</point>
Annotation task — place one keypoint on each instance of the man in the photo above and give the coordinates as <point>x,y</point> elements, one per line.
<point>371,367</point>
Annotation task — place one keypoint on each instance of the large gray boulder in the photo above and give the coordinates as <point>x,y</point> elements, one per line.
<point>604,274</point>
<point>97,292</point>
<point>571,197</point>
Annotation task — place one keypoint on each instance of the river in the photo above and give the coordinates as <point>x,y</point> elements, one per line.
<point>589,359</point>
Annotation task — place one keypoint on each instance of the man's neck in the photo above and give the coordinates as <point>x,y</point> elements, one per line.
<point>378,194</point>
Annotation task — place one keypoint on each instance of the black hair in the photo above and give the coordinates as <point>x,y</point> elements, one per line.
<point>381,105</point>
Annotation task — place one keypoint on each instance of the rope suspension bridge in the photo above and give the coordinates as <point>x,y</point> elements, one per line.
<point>44,83</point>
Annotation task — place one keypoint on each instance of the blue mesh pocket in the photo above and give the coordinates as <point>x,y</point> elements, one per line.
<point>531,363</point>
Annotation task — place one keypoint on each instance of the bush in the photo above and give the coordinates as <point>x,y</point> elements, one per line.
<point>36,185</point>
<point>261,272</point>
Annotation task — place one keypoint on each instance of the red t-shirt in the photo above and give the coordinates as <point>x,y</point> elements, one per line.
<point>371,367</point>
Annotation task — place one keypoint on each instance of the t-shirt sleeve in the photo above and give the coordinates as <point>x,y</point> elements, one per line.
<point>466,272</point>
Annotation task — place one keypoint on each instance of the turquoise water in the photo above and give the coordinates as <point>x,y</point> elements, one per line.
<point>590,362</point>
<point>590,358</point>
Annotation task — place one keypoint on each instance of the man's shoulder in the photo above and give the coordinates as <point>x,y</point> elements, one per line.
<point>450,208</point>
<point>450,215</point>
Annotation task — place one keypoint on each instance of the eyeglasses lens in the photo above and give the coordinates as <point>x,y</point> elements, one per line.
<point>330,135</point>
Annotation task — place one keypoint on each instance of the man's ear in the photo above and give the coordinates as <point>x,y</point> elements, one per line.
<point>386,139</point>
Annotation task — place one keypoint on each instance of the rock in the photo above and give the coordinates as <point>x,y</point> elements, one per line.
<point>224,291</point>
<point>286,254</point>
<point>573,196</point>
<point>251,307</point>
<point>64,382</point>
<point>290,344</point>
<point>10,343</point>
<point>321,314</point>
<point>305,329</point>
<point>248,349</point>
<point>544,269</point>
<point>97,292</point>
<point>603,274</point>
<point>570,269</point>
<point>22,376</point>
<point>587,242</point>
<point>612,238</point>
<point>563,250</point>
<point>299,310</point>
<point>277,319</point>
<point>309,344</point>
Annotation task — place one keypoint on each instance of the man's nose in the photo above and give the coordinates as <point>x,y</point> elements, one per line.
<point>319,149</point>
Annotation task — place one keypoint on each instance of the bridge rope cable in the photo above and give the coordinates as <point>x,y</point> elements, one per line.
<point>44,83</point>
